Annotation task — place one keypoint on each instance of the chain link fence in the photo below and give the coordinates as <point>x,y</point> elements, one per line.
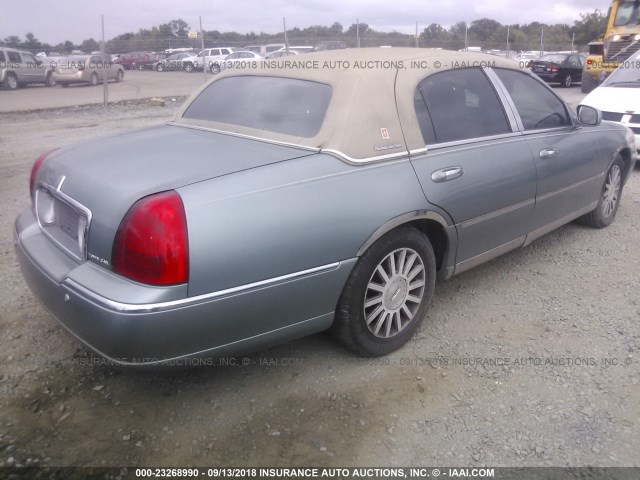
<point>161,50</point>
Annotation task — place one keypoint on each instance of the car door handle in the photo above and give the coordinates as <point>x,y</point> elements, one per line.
<point>548,153</point>
<point>445,174</point>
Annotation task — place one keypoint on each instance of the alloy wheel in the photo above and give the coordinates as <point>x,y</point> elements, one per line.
<point>611,191</point>
<point>394,293</point>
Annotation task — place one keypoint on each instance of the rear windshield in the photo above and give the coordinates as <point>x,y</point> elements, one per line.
<point>281,105</point>
<point>553,58</point>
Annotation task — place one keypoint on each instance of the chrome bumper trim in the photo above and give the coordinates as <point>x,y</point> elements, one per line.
<point>73,287</point>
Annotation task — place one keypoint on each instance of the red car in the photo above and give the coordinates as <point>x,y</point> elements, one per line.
<point>134,60</point>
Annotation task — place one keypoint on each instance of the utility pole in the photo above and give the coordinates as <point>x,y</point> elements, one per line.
<point>286,40</point>
<point>204,57</point>
<point>466,38</point>
<point>358,32</point>
<point>105,88</point>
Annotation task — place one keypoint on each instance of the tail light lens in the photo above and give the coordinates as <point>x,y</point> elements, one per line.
<point>589,62</point>
<point>34,171</point>
<point>81,67</point>
<point>553,69</point>
<point>151,245</point>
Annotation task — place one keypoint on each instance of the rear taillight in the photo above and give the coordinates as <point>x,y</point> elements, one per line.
<point>589,62</point>
<point>34,171</point>
<point>151,245</point>
<point>81,68</point>
<point>553,69</point>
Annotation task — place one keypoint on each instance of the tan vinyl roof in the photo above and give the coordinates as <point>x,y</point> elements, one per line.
<point>363,121</point>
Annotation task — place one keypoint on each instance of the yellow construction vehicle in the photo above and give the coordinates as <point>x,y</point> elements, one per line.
<point>620,41</point>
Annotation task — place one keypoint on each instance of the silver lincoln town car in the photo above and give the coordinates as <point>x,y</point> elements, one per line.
<point>327,192</point>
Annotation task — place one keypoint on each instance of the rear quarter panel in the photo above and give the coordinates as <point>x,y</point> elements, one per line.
<point>290,216</point>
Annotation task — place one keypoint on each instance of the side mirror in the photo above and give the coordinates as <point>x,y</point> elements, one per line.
<point>589,116</point>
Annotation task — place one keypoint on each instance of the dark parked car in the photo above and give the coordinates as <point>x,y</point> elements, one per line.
<point>333,201</point>
<point>151,61</point>
<point>562,68</point>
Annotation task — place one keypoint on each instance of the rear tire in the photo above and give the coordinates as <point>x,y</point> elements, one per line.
<point>387,294</point>
<point>188,67</point>
<point>10,82</point>
<point>119,76</point>
<point>567,81</point>
<point>93,80</point>
<point>587,84</point>
<point>49,81</point>
<point>160,67</point>
<point>609,200</point>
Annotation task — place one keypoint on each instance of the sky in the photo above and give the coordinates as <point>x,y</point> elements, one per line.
<point>78,20</point>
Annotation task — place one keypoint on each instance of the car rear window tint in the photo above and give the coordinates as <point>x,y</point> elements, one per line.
<point>538,107</point>
<point>281,105</point>
<point>460,104</point>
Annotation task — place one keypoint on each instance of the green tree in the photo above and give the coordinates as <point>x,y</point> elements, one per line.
<point>482,29</point>
<point>361,28</point>
<point>89,46</point>
<point>336,28</point>
<point>12,41</point>
<point>590,27</point>
<point>179,28</point>
<point>433,31</point>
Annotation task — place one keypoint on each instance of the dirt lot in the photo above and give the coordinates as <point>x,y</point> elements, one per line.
<point>136,85</point>
<point>530,360</point>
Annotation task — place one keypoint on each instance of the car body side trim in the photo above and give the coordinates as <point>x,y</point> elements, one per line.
<point>418,151</point>
<point>489,255</point>
<point>470,143</point>
<point>241,135</point>
<point>360,161</point>
<point>497,213</point>
<point>74,287</point>
<point>547,195</point>
<point>531,236</point>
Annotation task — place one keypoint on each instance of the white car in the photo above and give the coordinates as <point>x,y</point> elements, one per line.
<point>242,59</point>
<point>619,96</point>
<point>208,58</point>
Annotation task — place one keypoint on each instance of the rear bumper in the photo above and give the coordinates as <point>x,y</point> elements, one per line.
<point>71,77</point>
<point>173,331</point>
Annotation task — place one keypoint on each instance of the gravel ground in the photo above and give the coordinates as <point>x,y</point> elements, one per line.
<point>530,360</point>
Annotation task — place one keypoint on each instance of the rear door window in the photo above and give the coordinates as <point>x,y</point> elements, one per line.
<point>14,57</point>
<point>292,106</point>
<point>458,105</point>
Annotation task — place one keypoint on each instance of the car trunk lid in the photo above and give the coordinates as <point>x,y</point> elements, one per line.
<point>96,182</point>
